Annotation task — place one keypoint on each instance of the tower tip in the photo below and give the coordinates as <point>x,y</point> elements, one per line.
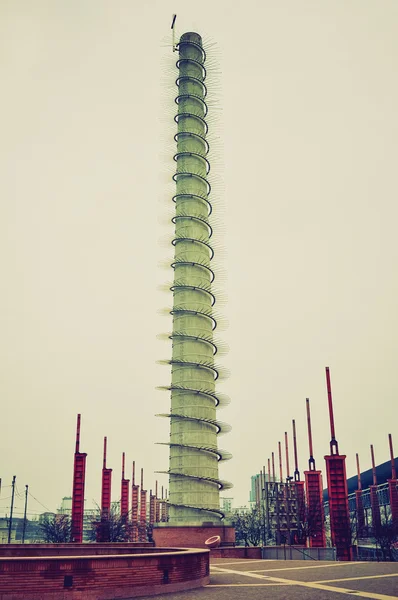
<point>78,433</point>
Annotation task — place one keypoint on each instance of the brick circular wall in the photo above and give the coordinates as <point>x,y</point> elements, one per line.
<point>102,576</point>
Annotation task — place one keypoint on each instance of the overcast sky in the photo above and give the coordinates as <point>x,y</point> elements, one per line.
<point>306,164</point>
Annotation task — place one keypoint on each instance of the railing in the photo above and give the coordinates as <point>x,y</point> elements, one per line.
<point>288,552</point>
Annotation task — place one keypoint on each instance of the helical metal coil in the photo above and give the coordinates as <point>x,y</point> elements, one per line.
<point>194,455</point>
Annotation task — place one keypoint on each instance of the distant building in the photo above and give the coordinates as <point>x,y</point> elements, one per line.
<point>66,506</point>
<point>241,510</point>
<point>258,482</point>
<point>4,525</point>
<point>32,530</point>
<point>226,505</point>
<point>89,515</point>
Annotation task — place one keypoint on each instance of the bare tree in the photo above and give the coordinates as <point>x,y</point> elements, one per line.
<point>248,527</point>
<point>55,529</point>
<point>113,528</point>
<point>311,523</point>
<point>386,536</point>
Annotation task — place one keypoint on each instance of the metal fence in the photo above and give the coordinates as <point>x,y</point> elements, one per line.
<point>297,553</point>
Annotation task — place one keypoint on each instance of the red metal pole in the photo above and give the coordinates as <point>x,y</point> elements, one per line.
<point>151,508</point>
<point>134,507</point>
<point>166,506</point>
<point>359,474</point>
<point>313,491</point>
<point>340,528</point>
<point>334,448</point>
<point>79,476</point>
<point>311,461</point>
<point>142,531</point>
<point>125,486</point>
<point>296,469</point>
<point>359,505</point>
<point>77,447</point>
<point>287,456</point>
<point>269,470</point>
<point>157,504</point>
<point>373,465</point>
<point>163,507</point>
<point>392,486</point>
<point>280,461</point>
<point>374,498</point>
<point>300,494</point>
<point>393,470</point>
<point>273,467</point>
<point>106,487</point>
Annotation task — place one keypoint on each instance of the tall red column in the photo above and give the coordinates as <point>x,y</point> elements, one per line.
<point>299,485</point>
<point>359,505</point>
<point>340,528</point>
<point>134,507</point>
<point>124,503</point>
<point>374,498</point>
<point>142,528</point>
<point>106,487</point>
<point>151,507</point>
<point>280,462</point>
<point>79,475</point>
<point>167,505</point>
<point>392,486</point>
<point>104,527</point>
<point>163,509</point>
<point>157,504</point>
<point>313,489</point>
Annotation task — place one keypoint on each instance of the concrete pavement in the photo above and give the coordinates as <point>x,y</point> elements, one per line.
<point>236,579</point>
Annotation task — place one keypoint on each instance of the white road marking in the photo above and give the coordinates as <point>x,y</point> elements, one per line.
<point>356,578</point>
<point>273,584</point>
<point>312,585</point>
<point>247,561</point>
<point>337,564</point>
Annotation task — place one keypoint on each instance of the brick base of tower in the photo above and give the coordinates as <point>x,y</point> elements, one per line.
<point>185,536</point>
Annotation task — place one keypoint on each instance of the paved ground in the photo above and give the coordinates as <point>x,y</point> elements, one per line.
<point>234,579</point>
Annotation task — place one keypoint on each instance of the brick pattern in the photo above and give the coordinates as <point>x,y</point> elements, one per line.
<point>190,537</point>
<point>134,511</point>
<point>338,505</point>
<point>124,504</point>
<point>98,577</point>
<point>79,476</point>
<point>142,525</point>
<point>315,513</point>
<point>44,550</point>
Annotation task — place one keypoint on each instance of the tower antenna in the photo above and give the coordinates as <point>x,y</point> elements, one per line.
<point>311,459</point>
<point>173,32</point>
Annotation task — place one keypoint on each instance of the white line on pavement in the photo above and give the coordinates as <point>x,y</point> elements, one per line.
<point>312,585</point>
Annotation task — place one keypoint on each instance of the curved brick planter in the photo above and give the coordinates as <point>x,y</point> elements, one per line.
<point>102,576</point>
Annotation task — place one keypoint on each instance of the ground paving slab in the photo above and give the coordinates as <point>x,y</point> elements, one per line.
<point>236,579</point>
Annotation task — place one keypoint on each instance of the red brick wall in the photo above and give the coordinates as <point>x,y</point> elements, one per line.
<point>190,537</point>
<point>76,549</point>
<point>101,577</point>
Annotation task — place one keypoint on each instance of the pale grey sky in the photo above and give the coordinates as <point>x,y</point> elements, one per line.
<point>307,167</point>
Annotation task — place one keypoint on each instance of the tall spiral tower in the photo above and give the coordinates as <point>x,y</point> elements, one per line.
<point>194,484</point>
